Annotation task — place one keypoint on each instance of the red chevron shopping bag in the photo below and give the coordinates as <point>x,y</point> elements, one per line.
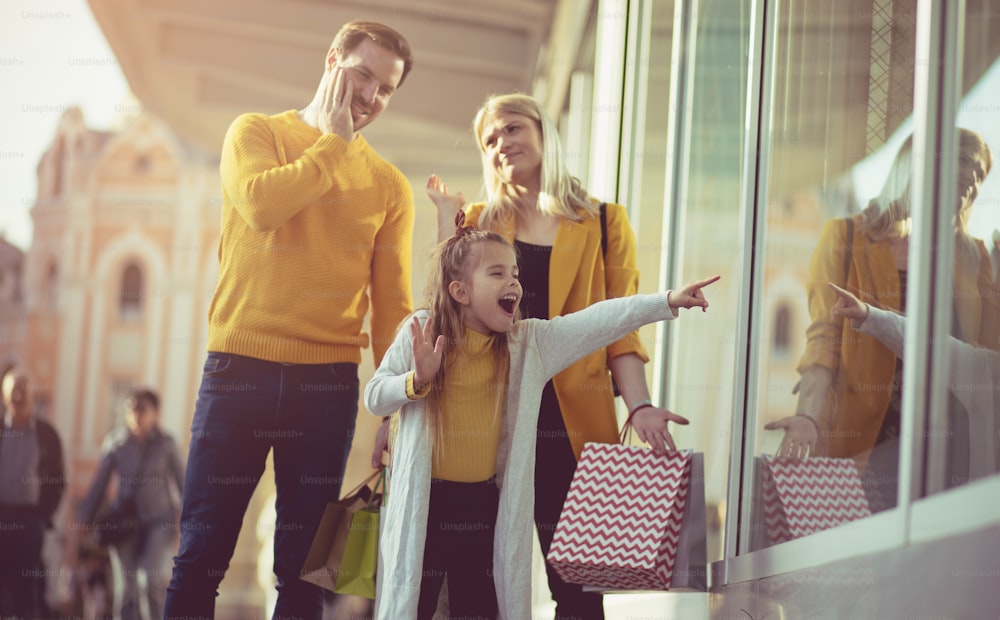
<point>621,521</point>
<point>803,496</point>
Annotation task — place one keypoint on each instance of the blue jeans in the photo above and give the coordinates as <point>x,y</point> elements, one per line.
<point>247,407</point>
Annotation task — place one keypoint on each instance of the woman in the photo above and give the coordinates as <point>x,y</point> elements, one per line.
<point>850,399</point>
<point>149,471</point>
<point>566,263</point>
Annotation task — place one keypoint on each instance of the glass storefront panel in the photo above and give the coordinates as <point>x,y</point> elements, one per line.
<point>964,443</point>
<point>706,241</point>
<point>836,211</point>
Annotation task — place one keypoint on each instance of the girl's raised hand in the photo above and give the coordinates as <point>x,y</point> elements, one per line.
<point>847,306</point>
<point>427,351</point>
<point>690,295</point>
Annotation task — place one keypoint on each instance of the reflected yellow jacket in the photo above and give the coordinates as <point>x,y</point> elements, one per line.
<point>578,277</point>
<point>864,369</point>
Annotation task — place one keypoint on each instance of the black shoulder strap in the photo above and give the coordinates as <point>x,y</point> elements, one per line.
<point>604,229</point>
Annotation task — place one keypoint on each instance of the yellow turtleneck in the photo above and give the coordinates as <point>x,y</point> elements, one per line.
<point>471,411</point>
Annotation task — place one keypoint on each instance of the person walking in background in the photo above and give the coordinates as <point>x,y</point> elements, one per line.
<point>316,229</point>
<point>467,377</point>
<point>572,252</point>
<point>149,474</point>
<point>32,481</point>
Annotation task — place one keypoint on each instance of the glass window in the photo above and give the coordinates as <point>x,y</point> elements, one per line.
<point>969,446</point>
<point>685,211</point>
<point>836,210</point>
<point>706,201</point>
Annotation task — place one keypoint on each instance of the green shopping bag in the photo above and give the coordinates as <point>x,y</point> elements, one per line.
<point>360,560</point>
<point>323,564</point>
<point>359,563</point>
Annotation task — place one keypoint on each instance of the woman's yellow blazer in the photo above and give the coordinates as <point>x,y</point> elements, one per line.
<point>579,276</point>
<point>864,369</point>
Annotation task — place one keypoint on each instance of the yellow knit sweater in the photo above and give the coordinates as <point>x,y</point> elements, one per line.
<point>309,221</point>
<point>465,449</point>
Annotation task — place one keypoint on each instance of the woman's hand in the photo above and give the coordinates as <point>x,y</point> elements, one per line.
<point>650,425</point>
<point>447,204</point>
<point>427,351</point>
<point>690,295</point>
<point>847,306</point>
<point>801,436</point>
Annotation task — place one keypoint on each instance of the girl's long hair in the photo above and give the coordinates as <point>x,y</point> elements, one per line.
<point>560,193</point>
<point>454,259</point>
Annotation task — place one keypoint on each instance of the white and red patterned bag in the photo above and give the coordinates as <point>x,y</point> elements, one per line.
<point>804,496</point>
<point>621,522</point>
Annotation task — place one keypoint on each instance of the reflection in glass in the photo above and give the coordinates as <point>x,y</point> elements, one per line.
<point>845,195</point>
<point>971,443</point>
<point>841,89</point>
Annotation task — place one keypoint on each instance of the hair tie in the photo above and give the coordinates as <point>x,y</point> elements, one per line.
<point>461,229</point>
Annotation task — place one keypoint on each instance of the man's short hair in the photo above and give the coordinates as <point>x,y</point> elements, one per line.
<point>353,33</point>
<point>144,397</point>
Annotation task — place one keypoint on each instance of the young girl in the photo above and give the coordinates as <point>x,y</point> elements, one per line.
<point>467,378</point>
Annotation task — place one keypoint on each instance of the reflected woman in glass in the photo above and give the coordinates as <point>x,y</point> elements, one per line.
<point>850,398</point>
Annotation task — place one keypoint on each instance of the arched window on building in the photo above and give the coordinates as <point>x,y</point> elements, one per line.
<point>142,163</point>
<point>52,288</point>
<point>782,330</point>
<point>130,295</point>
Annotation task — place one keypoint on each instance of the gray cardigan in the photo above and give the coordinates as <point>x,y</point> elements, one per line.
<point>538,350</point>
<point>974,380</point>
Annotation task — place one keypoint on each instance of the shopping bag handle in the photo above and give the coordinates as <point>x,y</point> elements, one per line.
<point>627,429</point>
<point>379,488</point>
<point>364,483</point>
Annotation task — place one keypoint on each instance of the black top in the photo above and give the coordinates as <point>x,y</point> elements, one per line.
<point>533,267</point>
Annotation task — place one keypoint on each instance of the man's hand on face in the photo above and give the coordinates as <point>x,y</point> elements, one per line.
<point>334,116</point>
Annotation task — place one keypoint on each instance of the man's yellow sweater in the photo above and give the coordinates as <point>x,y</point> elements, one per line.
<point>314,230</point>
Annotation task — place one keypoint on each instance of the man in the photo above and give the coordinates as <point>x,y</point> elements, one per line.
<point>31,485</point>
<point>315,228</point>
<point>149,478</point>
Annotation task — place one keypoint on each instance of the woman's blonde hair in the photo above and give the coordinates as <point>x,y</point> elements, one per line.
<point>889,212</point>
<point>453,260</point>
<point>560,193</point>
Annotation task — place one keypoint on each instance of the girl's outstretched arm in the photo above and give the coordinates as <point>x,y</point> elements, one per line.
<point>565,339</point>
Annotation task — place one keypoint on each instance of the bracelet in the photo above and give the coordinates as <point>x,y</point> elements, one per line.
<point>639,405</point>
